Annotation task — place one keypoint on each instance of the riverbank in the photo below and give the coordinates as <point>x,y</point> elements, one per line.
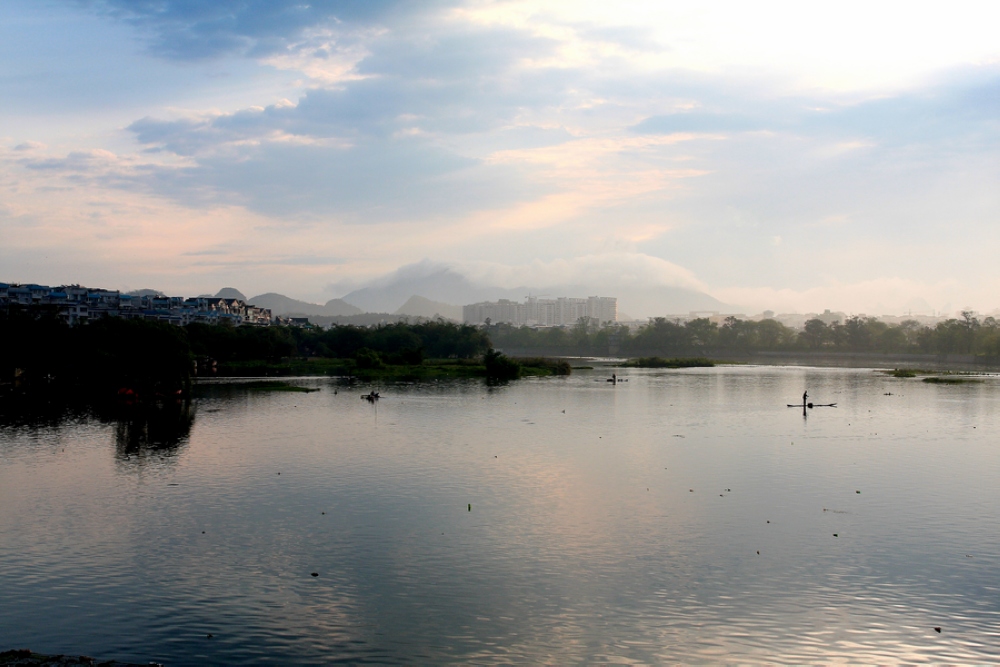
<point>26,657</point>
<point>933,362</point>
<point>430,369</point>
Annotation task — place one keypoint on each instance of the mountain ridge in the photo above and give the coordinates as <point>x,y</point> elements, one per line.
<point>279,304</point>
<point>447,286</point>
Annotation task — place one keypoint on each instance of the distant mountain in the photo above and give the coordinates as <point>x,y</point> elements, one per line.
<point>447,286</point>
<point>279,304</point>
<point>443,285</point>
<point>418,306</point>
<point>231,293</point>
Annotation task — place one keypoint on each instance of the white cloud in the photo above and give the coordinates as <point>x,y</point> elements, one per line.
<point>618,270</point>
<point>753,143</point>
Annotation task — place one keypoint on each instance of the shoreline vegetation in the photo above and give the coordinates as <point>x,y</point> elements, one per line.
<point>142,360</point>
<point>26,657</point>
<point>734,338</point>
<point>660,362</point>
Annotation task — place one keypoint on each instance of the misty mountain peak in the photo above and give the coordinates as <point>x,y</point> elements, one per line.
<point>230,293</point>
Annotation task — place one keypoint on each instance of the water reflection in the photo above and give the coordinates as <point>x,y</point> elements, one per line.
<point>140,429</point>
<point>152,430</point>
<point>683,517</point>
<point>35,410</point>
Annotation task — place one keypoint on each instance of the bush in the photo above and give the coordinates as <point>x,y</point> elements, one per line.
<point>554,366</point>
<point>500,367</point>
<point>368,359</point>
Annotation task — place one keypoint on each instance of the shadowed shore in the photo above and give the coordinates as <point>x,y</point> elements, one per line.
<point>27,657</point>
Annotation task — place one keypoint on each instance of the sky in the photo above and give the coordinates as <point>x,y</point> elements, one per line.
<point>775,155</point>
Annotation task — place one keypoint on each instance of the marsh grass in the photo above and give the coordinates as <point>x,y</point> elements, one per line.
<point>950,380</point>
<point>677,362</point>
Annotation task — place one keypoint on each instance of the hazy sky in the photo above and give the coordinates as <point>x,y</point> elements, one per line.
<point>792,156</point>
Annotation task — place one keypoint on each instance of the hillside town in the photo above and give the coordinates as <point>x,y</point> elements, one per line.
<point>77,305</point>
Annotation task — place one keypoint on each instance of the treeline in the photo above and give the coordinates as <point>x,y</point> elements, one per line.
<point>397,343</point>
<point>38,349</point>
<point>965,335</point>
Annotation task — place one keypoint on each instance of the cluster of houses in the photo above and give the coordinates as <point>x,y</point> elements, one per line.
<point>77,305</point>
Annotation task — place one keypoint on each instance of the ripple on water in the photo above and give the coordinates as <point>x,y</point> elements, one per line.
<point>583,542</point>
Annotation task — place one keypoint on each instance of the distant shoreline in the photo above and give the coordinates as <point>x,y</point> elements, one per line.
<point>26,658</point>
<point>950,362</point>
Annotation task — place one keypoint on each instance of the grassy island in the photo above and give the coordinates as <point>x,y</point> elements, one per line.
<point>931,377</point>
<point>660,362</point>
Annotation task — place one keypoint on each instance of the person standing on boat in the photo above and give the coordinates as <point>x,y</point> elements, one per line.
<point>805,395</point>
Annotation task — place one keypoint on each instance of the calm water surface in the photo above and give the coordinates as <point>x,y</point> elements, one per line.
<point>681,517</point>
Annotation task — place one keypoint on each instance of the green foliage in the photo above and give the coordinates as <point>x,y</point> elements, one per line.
<point>144,356</point>
<point>227,343</point>
<point>500,367</point>
<point>368,359</point>
<point>672,338</point>
<point>552,366</point>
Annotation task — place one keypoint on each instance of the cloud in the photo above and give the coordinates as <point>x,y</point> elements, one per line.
<point>617,270</point>
<point>375,181</point>
<point>185,30</point>
<point>517,133</point>
<point>700,122</point>
<point>29,146</point>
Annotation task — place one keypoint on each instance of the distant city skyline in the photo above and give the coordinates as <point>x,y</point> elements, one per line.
<point>768,156</point>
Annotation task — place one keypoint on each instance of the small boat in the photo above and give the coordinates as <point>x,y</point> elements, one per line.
<point>371,396</point>
<point>812,405</point>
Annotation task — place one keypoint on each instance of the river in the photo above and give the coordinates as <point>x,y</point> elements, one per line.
<point>682,516</point>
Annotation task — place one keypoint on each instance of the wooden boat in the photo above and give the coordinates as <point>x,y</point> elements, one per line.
<point>812,405</point>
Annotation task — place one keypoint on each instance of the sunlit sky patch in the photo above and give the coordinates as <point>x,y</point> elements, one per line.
<point>791,156</point>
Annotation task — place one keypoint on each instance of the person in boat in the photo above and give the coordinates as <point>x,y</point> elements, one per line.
<point>805,396</point>
<point>614,378</point>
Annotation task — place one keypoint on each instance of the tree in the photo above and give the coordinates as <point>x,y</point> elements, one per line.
<point>815,334</point>
<point>500,367</point>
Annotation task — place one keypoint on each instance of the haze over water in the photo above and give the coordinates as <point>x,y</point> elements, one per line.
<point>561,520</point>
